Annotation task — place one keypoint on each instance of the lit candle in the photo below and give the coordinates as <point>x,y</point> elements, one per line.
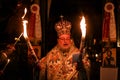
<point>83,30</point>
<point>26,37</point>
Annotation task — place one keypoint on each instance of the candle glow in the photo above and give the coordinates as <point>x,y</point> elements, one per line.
<point>83,27</point>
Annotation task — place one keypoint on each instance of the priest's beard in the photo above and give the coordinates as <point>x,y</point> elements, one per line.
<point>64,50</point>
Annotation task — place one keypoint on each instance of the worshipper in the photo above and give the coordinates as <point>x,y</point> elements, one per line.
<point>5,57</point>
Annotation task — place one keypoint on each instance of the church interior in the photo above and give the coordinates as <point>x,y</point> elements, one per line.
<point>49,12</point>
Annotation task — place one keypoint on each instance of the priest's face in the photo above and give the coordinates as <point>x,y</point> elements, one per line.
<point>64,42</point>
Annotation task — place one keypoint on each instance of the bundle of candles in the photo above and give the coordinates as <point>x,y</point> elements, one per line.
<point>83,30</point>
<point>25,36</point>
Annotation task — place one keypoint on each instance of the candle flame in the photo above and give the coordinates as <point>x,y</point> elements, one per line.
<point>25,28</point>
<point>83,27</point>
<point>25,11</point>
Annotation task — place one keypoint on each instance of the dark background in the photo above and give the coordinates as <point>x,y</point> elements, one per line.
<point>72,10</point>
<point>11,24</point>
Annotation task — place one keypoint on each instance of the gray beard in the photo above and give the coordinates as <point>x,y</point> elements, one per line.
<point>64,50</point>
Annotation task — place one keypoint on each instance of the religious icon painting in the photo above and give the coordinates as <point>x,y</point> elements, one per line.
<point>109,58</point>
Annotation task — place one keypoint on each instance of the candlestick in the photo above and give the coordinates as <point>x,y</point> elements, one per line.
<point>82,44</point>
<point>31,49</point>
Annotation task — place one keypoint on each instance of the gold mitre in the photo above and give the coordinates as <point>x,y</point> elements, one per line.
<point>63,27</point>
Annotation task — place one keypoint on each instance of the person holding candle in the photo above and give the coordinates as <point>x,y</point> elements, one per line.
<point>5,58</point>
<point>59,64</point>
